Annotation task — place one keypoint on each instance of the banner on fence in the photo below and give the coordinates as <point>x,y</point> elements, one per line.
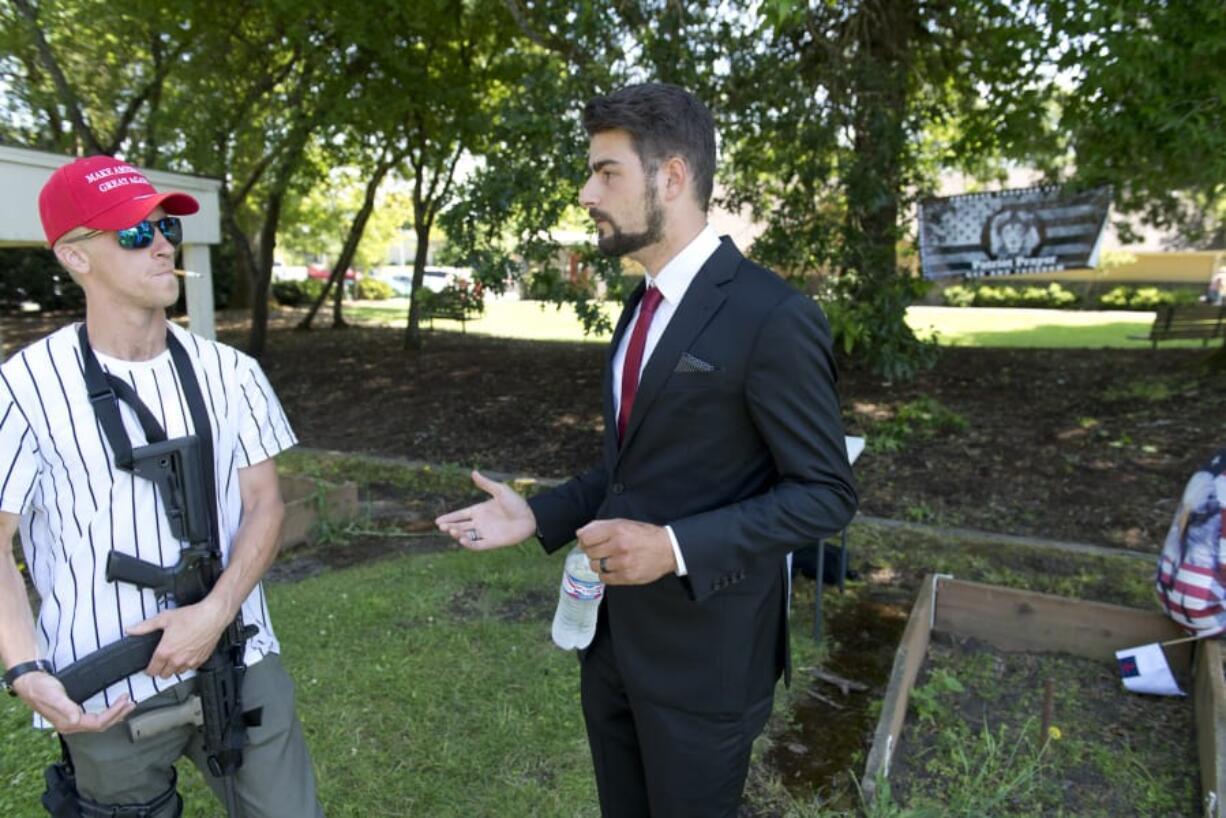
<point>1012,232</point>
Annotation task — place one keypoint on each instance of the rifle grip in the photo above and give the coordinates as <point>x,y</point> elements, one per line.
<point>124,568</point>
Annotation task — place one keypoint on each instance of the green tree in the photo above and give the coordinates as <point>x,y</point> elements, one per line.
<point>88,77</point>
<point>526,182</point>
<point>1146,110</point>
<point>839,116</point>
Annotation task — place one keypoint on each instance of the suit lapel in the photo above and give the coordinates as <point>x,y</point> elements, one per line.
<point>700,303</point>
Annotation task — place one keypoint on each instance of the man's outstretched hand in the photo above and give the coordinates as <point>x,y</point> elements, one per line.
<point>45,694</point>
<point>504,519</point>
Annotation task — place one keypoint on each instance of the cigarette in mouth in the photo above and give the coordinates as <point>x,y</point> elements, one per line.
<point>186,274</point>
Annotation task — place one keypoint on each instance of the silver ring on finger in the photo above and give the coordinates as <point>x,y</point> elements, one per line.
<point>604,565</point>
<point>473,536</point>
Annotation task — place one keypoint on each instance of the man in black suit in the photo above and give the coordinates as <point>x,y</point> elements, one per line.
<point>723,451</point>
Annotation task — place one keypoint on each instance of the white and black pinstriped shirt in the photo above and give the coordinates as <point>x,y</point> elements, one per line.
<point>57,472</point>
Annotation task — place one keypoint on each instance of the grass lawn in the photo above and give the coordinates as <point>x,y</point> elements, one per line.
<point>953,326</point>
<point>1001,327</point>
<point>428,685</point>
<point>528,320</point>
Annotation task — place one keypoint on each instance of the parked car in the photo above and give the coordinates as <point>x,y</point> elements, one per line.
<point>433,279</point>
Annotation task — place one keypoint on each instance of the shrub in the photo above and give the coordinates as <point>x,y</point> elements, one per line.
<point>1116,298</point>
<point>29,274</point>
<point>958,296</point>
<point>873,330</point>
<point>988,296</point>
<point>1053,296</point>
<point>1124,297</point>
<point>297,293</point>
<point>372,289</point>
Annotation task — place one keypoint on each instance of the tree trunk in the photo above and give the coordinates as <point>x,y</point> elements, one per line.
<point>244,256</point>
<point>262,273</point>
<point>338,319</point>
<point>262,279</point>
<point>421,226</point>
<point>356,230</point>
<point>874,183</point>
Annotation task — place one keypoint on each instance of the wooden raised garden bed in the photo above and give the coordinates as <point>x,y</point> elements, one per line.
<point>1011,621</point>
<point>305,498</point>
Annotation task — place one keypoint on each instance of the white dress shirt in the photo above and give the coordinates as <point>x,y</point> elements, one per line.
<point>673,280</point>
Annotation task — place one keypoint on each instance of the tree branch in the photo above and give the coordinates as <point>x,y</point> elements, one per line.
<point>83,131</point>
<point>557,45</point>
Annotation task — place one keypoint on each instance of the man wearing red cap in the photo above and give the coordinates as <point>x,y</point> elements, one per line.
<point>65,485</point>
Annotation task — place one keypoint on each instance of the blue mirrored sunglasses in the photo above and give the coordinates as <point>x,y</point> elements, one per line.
<point>140,235</point>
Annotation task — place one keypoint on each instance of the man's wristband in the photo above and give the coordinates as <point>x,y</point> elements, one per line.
<point>17,671</point>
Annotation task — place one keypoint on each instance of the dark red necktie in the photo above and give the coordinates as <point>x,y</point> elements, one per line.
<point>634,357</point>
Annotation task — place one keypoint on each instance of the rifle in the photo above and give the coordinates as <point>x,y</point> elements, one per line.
<point>176,469</point>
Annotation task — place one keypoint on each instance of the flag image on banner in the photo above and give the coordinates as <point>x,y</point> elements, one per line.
<point>1012,232</point>
<point>1144,669</point>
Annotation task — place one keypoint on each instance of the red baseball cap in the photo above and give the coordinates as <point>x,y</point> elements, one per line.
<point>102,193</point>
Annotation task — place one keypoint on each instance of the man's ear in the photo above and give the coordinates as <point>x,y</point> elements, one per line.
<point>675,174</point>
<point>73,258</point>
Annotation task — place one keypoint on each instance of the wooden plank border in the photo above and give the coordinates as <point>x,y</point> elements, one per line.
<point>1209,697</point>
<point>304,496</point>
<point>907,660</point>
<point>1014,620</point>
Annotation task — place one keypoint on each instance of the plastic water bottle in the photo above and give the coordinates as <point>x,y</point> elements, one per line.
<point>574,622</point>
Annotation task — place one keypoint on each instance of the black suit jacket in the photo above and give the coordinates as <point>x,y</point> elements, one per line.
<point>746,462</point>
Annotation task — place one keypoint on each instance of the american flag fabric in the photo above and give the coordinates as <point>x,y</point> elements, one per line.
<point>1191,572</point>
<point>1012,232</point>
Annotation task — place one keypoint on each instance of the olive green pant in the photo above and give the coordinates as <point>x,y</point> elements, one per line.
<point>275,781</point>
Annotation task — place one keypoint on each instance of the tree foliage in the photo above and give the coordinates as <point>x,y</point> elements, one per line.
<point>1147,108</point>
<point>835,117</point>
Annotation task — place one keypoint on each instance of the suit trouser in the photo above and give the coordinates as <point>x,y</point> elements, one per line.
<point>660,761</point>
<point>276,778</point>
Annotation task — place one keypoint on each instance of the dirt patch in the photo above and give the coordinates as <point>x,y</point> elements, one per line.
<point>830,726</point>
<point>1083,445</point>
<point>477,602</point>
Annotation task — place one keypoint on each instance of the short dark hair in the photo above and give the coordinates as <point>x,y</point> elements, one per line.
<point>662,120</point>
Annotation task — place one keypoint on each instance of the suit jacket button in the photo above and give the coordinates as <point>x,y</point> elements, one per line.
<point>618,488</point>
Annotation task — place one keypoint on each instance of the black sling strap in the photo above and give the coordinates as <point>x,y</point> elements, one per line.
<point>105,392</point>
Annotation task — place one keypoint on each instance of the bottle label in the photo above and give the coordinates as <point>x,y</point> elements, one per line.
<point>580,590</point>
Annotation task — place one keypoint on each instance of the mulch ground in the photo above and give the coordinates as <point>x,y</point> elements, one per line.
<point>1084,445</point>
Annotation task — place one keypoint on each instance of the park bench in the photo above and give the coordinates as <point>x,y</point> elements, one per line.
<point>451,312</point>
<point>1203,321</point>
<point>442,305</point>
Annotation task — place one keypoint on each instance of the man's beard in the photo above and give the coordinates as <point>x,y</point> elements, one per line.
<point>618,243</point>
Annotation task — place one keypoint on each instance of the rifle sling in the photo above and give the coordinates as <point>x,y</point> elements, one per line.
<point>105,392</point>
